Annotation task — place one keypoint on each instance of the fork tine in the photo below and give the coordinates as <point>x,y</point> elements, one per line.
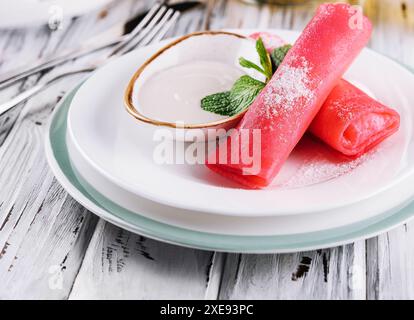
<point>145,20</point>
<point>137,29</point>
<point>159,31</point>
<point>166,27</point>
<point>140,30</point>
<point>157,28</point>
<point>152,30</point>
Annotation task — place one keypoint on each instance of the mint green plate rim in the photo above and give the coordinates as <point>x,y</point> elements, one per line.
<point>58,158</point>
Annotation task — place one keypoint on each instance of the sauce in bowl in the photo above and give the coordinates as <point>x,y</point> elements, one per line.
<point>174,94</point>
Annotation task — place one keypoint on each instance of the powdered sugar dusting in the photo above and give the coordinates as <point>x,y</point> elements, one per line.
<point>320,170</point>
<point>290,86</point>
<point>344,110</point>
<point>324,10</point>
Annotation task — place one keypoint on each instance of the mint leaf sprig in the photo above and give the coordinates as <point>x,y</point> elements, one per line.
<point>232,102</point>
<point>246,89</point>
<point>278,55</point>
<point>265,61</point>
<point>243,93</point>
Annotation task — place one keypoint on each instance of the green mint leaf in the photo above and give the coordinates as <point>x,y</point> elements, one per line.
<point>250,65</point>
<point>246,89</point>
<point>243,93</point>
<point>239,98</point>
<point>265,60</point>
<point>278,55</point>
<point>218,103</point>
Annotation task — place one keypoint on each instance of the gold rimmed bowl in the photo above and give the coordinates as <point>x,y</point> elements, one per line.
<point>215,46</point>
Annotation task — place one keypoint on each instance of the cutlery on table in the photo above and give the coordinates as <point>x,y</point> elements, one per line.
<point>152,28</point>
<point>89,47</point>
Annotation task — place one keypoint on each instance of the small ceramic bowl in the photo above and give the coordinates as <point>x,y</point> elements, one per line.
<point>217,46</point>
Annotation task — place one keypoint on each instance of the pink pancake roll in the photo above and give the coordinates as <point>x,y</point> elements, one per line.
<point>349,121</point>
<point>270,41</point>
<point>285,108</point>
<point>352,122</point>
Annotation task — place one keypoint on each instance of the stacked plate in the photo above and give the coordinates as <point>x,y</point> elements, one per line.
<point>104,158</point>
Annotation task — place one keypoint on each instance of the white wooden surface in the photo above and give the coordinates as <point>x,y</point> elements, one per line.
<point>52,248</point>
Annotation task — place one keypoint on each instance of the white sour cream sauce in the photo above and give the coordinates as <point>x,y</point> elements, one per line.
<point>174,94</point>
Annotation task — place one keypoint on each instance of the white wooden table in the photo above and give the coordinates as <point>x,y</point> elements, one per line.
<point>53,248</point>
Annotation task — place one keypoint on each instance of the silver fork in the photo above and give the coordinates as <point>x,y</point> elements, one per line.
<point>152,28</point>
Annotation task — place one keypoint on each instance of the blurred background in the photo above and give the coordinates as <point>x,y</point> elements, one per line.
<point>40,23</point>
<point>32,30</point>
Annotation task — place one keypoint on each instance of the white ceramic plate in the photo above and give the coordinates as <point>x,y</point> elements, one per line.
<point>121,149</point>
<point>58,158</point>
<point>373,207</point>
<point>23,13</point>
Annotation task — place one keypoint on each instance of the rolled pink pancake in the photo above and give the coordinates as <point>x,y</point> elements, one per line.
<point>349,121</point>
<point>352,122</point>
<point>270,41</point>
<point>290,101</point>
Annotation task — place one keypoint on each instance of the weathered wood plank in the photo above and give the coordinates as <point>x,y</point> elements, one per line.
<point>390,256</point>
<point>20,47</point>
<point>235,14</point>
<point>122,265</point>
<point>43,232</point>
<point>41,227</point>
<point>390,260</point>
<point>337,273</point>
